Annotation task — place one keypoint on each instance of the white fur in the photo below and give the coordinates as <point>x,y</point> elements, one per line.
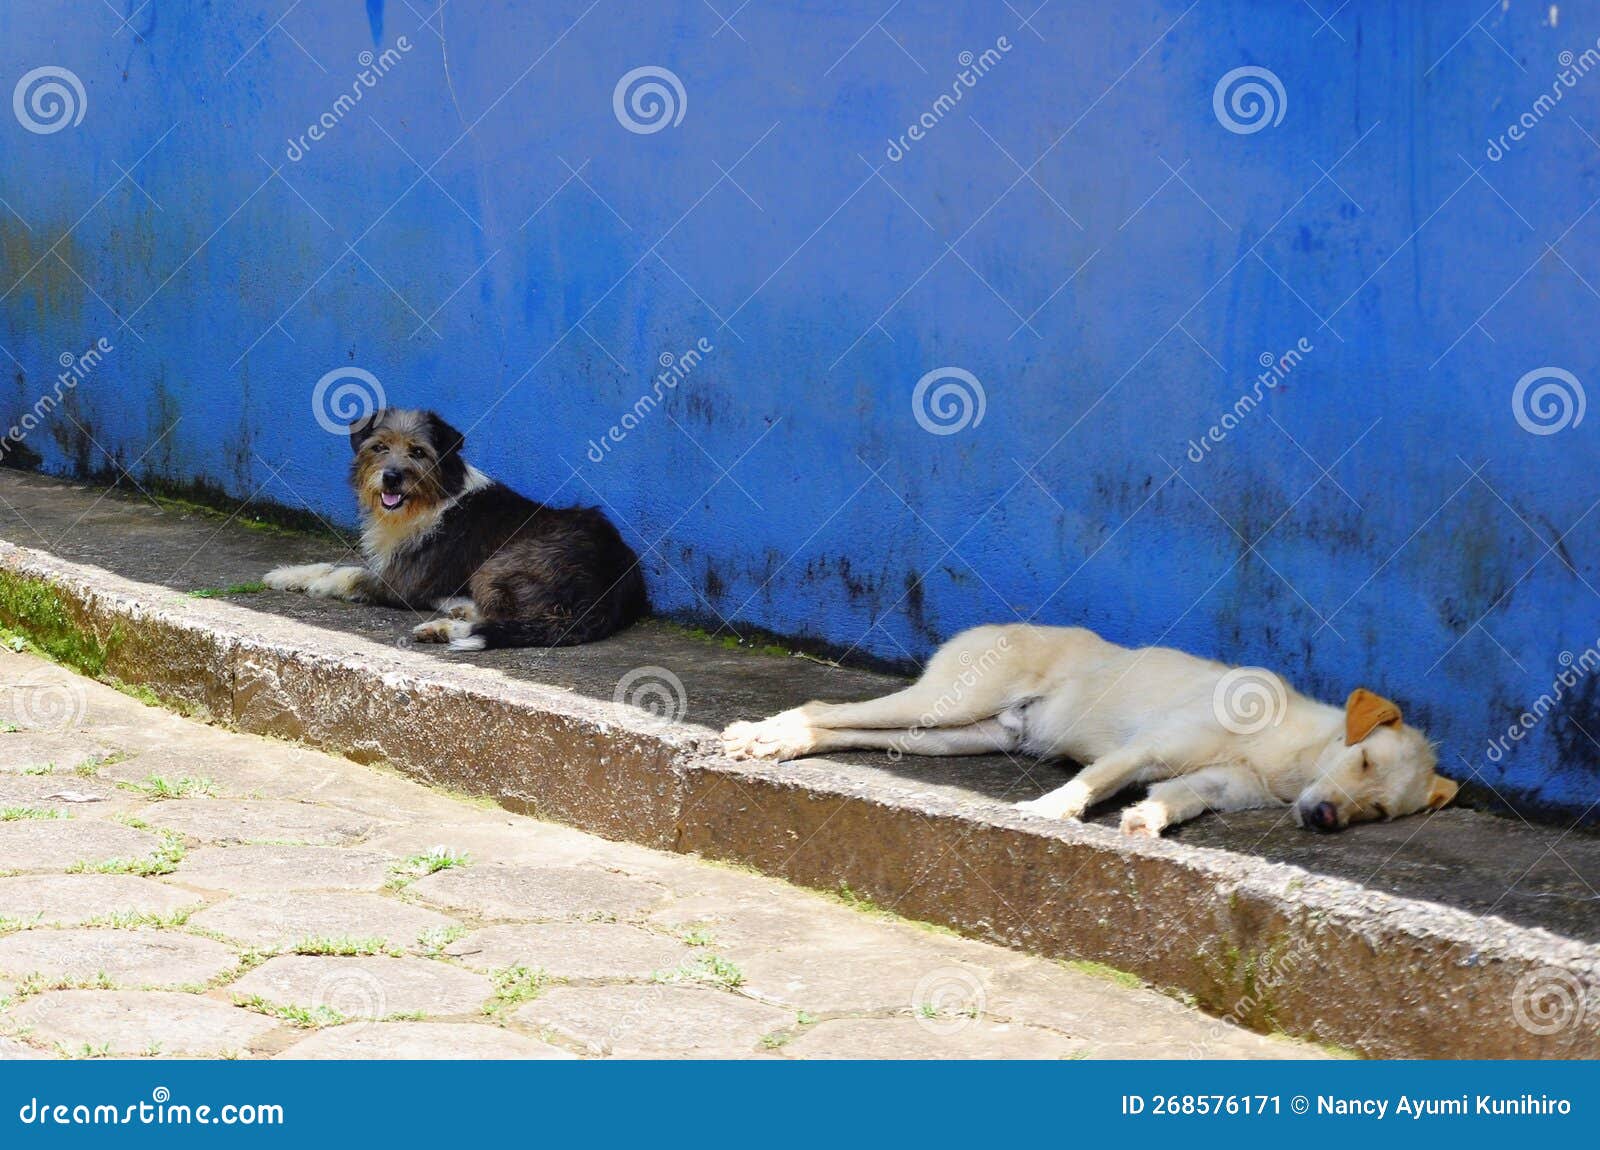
<point>321,580</point>
<point>339,583</point>
<point>456,632</point>
<point>1133,716</point>
<point>295,578</point>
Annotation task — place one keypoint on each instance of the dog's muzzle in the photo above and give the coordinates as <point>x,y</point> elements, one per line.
<point>389,493</point>
<point>1320,816</point>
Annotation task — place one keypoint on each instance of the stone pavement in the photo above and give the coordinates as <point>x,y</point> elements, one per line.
<point>173,889</point>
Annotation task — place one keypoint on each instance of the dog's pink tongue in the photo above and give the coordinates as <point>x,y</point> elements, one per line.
<point>390,500</point>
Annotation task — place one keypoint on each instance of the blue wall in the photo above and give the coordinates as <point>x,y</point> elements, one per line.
<point>1112,302</point>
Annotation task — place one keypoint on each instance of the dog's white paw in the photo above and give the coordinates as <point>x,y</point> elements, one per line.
<point>456,632</point>
<point>340,583</point>
<point>785,736</point>
<point>296,578</point>
<point>1148,818</point>
<point>441,631</point>
<point>1068,802</point>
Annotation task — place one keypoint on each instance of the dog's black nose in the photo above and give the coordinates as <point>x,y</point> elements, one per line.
<point>391,478</point>
<point>1322,817</point>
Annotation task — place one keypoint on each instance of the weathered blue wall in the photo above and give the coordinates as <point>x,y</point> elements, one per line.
<point>1081,232</point>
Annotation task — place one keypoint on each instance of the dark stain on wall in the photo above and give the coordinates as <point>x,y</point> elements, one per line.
<point>915,606</point>
<point>73,430</point>
<point>1577,726</point>
<point>711,583</point>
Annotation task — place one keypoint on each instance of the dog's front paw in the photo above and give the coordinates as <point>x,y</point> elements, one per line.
<point>296,578</point>
<point>456,632</point>
<point>785,736</point>
<point>1148,818</point>
<point>348,583</point>
<point>441,631</point>
<point>1068,802</point>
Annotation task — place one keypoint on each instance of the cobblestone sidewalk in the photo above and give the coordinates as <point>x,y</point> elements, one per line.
<point>172,889</point>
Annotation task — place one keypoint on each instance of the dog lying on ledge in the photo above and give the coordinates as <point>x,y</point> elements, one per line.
<point>1206,737</point>
<point>438,534</point>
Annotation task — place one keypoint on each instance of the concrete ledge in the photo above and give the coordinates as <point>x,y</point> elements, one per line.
<point>1264,943</point>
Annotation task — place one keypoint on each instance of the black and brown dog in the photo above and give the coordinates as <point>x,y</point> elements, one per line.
<point>440,535</point>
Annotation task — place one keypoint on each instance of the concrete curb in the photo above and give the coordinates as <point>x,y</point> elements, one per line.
<point>1264,944</point>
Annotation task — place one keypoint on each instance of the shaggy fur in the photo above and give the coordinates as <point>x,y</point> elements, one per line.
<point>440,535</point>
<point>1204,736</point>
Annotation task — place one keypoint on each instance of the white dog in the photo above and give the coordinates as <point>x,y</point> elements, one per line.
<point>1205,736</point>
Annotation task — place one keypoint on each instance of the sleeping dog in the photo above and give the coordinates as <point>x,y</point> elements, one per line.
<point>1206,737</point>
<point>440,535</point>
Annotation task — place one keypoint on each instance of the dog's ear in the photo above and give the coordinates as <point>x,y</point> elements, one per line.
<point>1443,791</point>
<point>1365,712</point>
<point>363,427</point>
<point>447,441</point>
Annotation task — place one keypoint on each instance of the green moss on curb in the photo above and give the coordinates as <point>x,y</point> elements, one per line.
<point>37,611</point>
